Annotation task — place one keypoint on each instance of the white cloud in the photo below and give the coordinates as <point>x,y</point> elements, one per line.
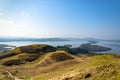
<point>5,22</point>
<point>10,26</point>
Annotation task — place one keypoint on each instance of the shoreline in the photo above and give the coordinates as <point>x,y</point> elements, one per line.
<point>4,47</point>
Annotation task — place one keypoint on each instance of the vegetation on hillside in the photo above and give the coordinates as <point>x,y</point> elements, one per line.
<point>32,53</point>
<point>44,62</point>
<point>77,50</point>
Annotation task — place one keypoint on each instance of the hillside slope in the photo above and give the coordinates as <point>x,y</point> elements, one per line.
<point>102,67</point>
<point>44,62</point>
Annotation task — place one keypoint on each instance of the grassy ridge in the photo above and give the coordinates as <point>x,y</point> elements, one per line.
<point>58,65</point>
<point>101,67</point>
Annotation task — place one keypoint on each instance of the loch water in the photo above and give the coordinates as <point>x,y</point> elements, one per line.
<point>114,45</point>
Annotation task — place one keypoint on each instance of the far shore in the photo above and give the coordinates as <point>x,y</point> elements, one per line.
<point>4,47</point>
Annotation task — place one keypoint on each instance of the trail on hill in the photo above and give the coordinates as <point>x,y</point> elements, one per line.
<point>13,77</point>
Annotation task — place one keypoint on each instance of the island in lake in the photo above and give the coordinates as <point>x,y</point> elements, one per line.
<point>94,48</point>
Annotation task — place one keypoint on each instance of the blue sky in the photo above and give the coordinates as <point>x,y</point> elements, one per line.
<point>60,18</point>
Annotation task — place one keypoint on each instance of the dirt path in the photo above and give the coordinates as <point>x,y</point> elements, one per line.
<point>13,77</point>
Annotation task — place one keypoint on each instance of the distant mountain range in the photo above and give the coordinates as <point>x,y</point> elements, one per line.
<point>32,39</point>
<point>92,39</point>
<point>12,39</point>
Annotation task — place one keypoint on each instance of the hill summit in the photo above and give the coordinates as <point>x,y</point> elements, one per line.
<point>45,62</point>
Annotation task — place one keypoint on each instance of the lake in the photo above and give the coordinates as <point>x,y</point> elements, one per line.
<point>115,46</point>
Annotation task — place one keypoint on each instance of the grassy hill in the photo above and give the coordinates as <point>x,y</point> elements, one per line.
<point>44,62</point>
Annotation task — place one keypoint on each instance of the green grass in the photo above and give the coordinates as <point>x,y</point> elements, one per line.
<point>16,50</point>
<point>56,70</point>
<point>82,67</point>
<point>90,65</point>
<point>38,45</point>
<point>102,67</point>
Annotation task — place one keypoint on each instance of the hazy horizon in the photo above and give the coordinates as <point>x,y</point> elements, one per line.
<point>60,18</point>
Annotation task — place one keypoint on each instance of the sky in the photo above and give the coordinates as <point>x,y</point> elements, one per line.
<point>60,18</point>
